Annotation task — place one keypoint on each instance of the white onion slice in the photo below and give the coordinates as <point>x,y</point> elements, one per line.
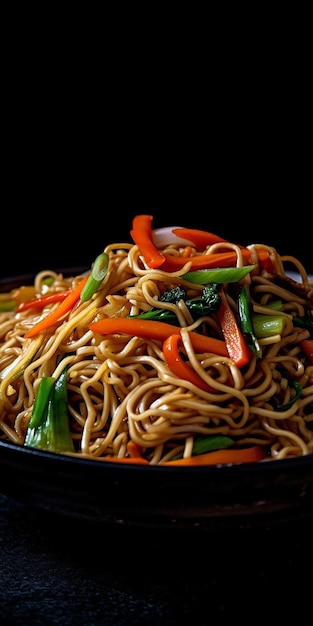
<point>164,236</point>
<point>296,276</point>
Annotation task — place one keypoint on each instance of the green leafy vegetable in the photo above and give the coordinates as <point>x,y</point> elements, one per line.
<point>304,322</point>
<point>205,304</point>
<point>298,389</point>
<point>48,427</point>
<point>173,295</point>
<point>267,325</point>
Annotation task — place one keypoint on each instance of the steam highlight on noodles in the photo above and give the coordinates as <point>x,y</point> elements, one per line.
<point>184,349</point>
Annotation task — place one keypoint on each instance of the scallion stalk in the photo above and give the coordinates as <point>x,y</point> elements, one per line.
<point>220,275</point>
<point>98,272</point>
<point>48,427</point>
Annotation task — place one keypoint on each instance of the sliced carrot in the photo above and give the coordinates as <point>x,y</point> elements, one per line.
<point>40,303</point>
<point>174,263</point>
<point>134,449</point>
<point>150,329</point>
<point>237,347</point>
<point>142,236</point>
<point>223,457</point>
<point>65,307</point>
<point>265,260</point>
<point>307,347</point>
<point>200,238</point>
<point>187,252</point>
<point>178,366</point>
<point>227,456</point>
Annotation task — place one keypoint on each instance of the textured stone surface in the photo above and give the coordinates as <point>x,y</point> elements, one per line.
<point>54,570</point>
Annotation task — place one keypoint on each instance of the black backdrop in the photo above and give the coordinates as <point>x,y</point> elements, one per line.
<point>62,215</point>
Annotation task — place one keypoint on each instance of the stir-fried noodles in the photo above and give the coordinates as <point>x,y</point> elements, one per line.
<point>170,357</point>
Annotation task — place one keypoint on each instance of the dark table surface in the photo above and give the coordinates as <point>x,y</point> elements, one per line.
<point>57,570</point>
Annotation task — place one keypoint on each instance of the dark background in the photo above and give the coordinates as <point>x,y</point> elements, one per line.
<point>62,214</point>
<point>86,146</point>
<point>207,132</point>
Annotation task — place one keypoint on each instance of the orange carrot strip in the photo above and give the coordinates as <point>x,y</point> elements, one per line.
<point>223,457</point>
<point>187,252</point>
<point>307,347</point>
<point>134,449</point>
<point>40,303</point>
<point>154,258</point>
<point>237,348</point>
<point>174,263</point>
<point>150,329</point>
<point>61,310</point>
<point>265,260</point>
<point>181,368</point>
<point>200,238</point>
<point>142,236</point>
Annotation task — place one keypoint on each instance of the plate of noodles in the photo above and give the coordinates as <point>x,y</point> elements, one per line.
<point>169,385</point>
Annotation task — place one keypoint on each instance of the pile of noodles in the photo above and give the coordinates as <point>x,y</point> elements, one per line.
<point>119,387</point>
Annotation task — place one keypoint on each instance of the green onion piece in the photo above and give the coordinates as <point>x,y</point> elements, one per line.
<point>62,440</point>
<point>245,320</point>
<point>267,325</point>
<point>40,437</point>
<point>202,445</point>
<point>220,275</point>
<point>98,272</point>
<point>48,427</point>
<point>48,281</point>
<point>276,305</point>
<point>206,444</point>
<point>7,306</point>
<point>40,404</point>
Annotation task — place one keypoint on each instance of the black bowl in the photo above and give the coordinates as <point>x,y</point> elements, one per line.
<point>162,497</point>
<point>207,498</point>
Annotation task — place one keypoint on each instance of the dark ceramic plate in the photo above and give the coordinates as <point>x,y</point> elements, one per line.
<point>207,498</point>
